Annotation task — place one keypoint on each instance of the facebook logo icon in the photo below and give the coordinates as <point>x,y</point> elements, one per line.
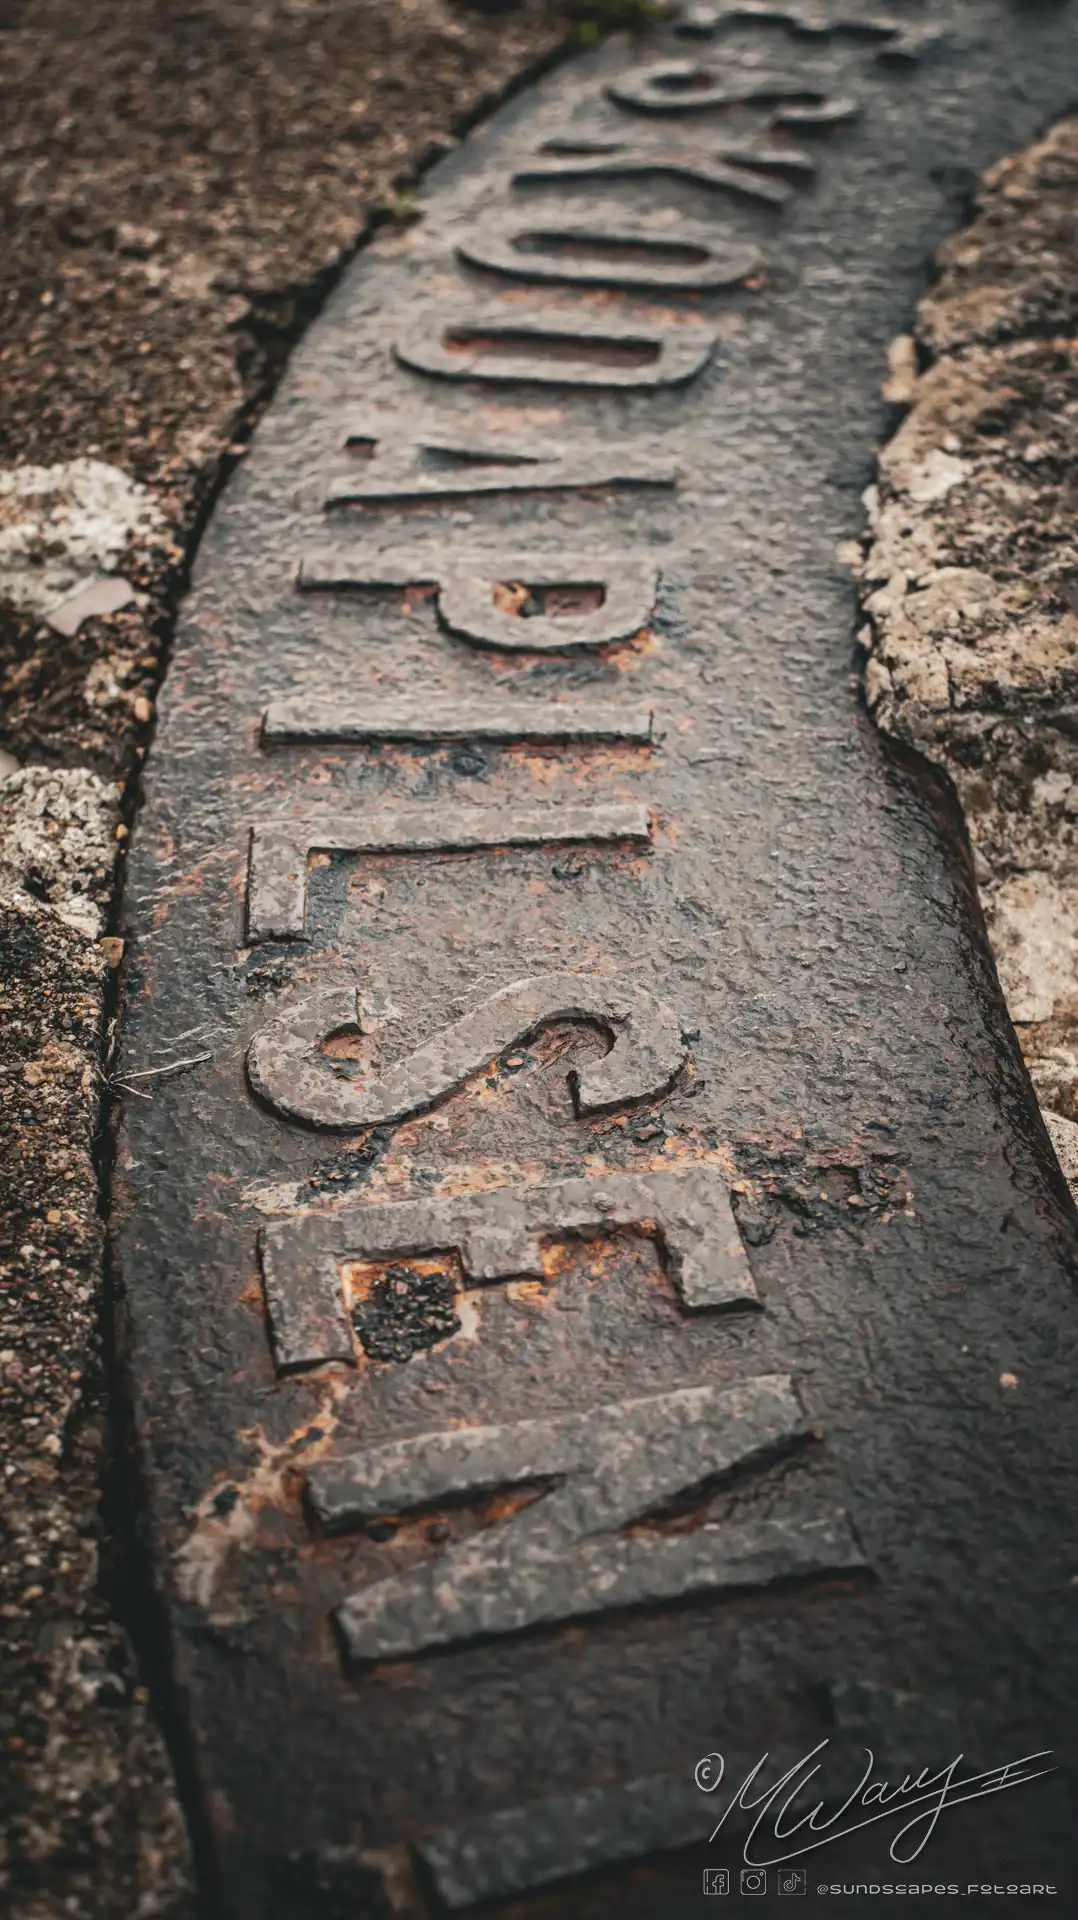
<point>716,1880</point>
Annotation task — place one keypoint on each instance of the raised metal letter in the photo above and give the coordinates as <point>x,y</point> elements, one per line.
<point>288,1068</point>
<point>687,87</point>
<point>548,349</point>
<point>309,716</point>
<point>416,464</point>
<point>277,861</point>
<point>466,593</point>
<point>568,1553</point>
<point>497,1235</point>
<point>605,250</point>
<point>739,170</point>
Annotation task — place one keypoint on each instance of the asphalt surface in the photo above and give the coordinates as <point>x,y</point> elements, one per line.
<point>808,912</point>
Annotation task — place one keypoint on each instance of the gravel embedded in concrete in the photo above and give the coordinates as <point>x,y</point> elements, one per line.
<point>181,184</point>
<point>970,581</point>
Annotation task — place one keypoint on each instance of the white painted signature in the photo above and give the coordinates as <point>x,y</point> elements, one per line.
<point>924,1797</point>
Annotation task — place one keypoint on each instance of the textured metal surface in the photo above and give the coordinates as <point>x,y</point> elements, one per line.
<point>512,1124</point>
<point>569,1554</point>
<point>409,459</point>
<point>545,348</point>
<point>277,867</point>
<point>735,171</point>
<point>528,1847</point>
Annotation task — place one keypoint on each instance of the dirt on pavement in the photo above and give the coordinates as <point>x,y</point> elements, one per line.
<point>180,184</point>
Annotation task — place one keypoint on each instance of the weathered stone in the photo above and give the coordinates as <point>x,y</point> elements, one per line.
<point>971,577</point>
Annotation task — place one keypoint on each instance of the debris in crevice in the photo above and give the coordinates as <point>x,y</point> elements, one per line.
<point>406,1310</point>
<point>970,581</point>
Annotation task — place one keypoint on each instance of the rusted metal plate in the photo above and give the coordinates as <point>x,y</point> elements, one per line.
<point>565,1309</point>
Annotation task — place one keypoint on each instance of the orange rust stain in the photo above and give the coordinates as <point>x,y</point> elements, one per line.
<point>486,1176</point>
<point>344,1044</point>
<point>359,1276</point>
<point>191,882</point>
<point>598,764</point>
<point>530,1293</point>
<point>627,655</point>
<point>510,598</point>
<point>557,1258</point>
<point>394,1176</point>
<point>502,1506</point>
<point>591,1260</point>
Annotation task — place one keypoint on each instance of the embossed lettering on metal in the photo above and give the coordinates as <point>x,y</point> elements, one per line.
<point>811,23</point>
<point>339,717</point>
<point>623,160</point>
<point>581,1548</point>
<point>758,152</point>
<point>815,113</point>
<point>466,589</point>
<point>567,347</point>
<point>497,1235</point>
<point>279,850</point>
<point>418,463</point>
<point>605,250</point>
<point>288,1067</point>
<point>902,45</point>
<point>520,1848</point>
<point>685,87</point>
<point>771,935</point>
<point>528,1845</point>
